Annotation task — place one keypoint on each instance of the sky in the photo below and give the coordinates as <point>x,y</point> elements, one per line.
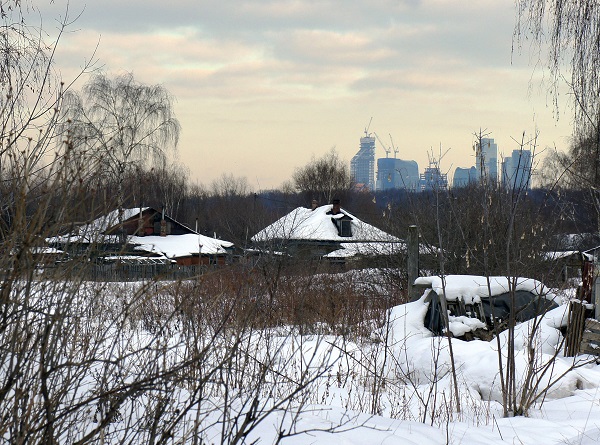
<point>263,86</point>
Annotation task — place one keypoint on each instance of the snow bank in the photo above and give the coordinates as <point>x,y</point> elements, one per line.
<point>459,326</point>
<point>538,348</point>
<point>395,390</point>
<point>405,322</point>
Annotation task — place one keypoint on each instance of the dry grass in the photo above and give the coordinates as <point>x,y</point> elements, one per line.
<point>350,303</point>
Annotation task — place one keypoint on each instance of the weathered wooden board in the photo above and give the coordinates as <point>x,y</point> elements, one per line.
<point>590,341</point>
<point>575,328</point>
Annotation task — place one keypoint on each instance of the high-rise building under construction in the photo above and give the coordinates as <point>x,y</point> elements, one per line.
<point>362,165</point>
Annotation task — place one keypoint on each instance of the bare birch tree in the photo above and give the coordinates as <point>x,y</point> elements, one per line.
<point>120,124</point>
<point>570,30</point>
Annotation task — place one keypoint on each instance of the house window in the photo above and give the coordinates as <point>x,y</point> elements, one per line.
<point>345,227</point>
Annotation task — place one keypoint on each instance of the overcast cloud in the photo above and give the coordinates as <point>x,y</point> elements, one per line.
<point>261,86</point>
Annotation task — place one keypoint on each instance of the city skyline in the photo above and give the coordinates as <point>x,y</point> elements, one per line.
<point>512,170</point>
<point>263,86</point>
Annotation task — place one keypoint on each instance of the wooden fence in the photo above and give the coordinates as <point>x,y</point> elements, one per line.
<point>126,272</point>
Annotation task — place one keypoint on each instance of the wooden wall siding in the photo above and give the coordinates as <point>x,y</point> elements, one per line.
<point>204,260</point>
<point>590,343</point>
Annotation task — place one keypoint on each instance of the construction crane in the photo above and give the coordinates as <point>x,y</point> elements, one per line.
<point>367,134</point>
<point>396,149</point>
<point>386,148</point>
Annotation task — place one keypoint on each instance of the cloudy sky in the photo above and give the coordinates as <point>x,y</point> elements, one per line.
<point>262,86</point>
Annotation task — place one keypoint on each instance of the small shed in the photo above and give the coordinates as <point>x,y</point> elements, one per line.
<point>482,303</point>
<point>568,264</point>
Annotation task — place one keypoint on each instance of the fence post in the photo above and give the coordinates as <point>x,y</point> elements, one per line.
<point>412,261</point>
<point>597,299</point>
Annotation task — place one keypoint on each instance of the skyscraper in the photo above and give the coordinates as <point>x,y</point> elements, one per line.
<point>395,173</point>
<point>486,156</point>
<point>464,176</point>
<point>362,165</point>
<point>516,170</point>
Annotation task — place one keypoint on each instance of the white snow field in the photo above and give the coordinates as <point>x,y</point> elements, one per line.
<point>394,387</point>
<point>415,406</point>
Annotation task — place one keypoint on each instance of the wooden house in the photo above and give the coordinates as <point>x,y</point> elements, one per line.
<point>319,232</point>
<point>142,233</point>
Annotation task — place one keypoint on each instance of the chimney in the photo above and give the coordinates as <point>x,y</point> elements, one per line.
<point>314,204</point>
<point>140,227</point>
<point>163,224</point>
<point>336,206</point>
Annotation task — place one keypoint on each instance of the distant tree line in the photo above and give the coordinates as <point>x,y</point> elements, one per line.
<point>113,145</point>
<point>470,224</point>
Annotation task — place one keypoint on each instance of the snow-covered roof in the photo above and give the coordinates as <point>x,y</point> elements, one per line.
<point>316,225</point>
<point>366,249</point>
<point>472,288</point>
<point>45,251</point>
<point>175,246</point>
<point>558,255</point>
<point>171,246</point>
<point>93,232</point>
<point>375,248</point>
<point>136,259</point>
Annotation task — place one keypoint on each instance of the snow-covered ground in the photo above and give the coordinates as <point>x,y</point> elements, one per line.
<point>415,404</point>
<point>395,387</point>
<point>572,420</point>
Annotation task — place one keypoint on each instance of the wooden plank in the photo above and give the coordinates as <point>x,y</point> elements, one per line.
<point>588,343</point>
<point>590,351</point>
<point>593,336</point>
<point>592,328</point>
<point>591,347</point>
<point>592,331</point>
<point>575,327</point>
<point>413,261</point>
<point>592,324</point>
